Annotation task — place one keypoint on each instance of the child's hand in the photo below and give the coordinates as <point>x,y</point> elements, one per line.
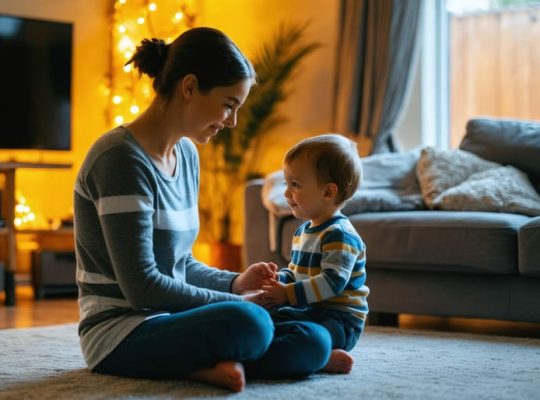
<point>275,293</point>
<point>254,277</point>
<point>257,297</point>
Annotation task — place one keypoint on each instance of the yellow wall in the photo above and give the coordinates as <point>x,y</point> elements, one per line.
<point>309,107</point>
<point>248,22</point>
<point>50,192</point>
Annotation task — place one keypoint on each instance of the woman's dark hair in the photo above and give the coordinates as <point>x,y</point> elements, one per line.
<point>205,52</point>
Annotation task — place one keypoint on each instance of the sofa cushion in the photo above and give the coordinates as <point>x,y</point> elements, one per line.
<point>509,142</point>
<point>502,189</point>
<point>529,248</point>
<point>438,170</point>
<point>452,241</point>
<point>391,171</point>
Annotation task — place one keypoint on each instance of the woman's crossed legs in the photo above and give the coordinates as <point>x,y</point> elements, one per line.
<point>214,343</point>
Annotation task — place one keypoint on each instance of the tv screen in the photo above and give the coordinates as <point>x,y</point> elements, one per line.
<point>35,84</point>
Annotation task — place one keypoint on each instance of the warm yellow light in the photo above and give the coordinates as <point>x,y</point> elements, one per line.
<point>19,208</point>
<point>105,90</point>
<point>128,93</point>
<point>125,44</point>
<point>17,222</point>
<point>146,90</point>
<point>31,216</point>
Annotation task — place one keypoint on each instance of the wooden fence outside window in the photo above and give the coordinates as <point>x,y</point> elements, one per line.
<point>494,67</point>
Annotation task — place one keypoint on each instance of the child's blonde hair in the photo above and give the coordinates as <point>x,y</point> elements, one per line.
<point>335,160</point>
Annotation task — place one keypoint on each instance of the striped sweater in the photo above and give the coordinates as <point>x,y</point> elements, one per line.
<point>327,268</point>
<point>134,231</point>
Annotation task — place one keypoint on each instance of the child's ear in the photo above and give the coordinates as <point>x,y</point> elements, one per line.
<point>330,191</point>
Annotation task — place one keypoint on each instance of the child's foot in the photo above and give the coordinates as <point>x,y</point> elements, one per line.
<point>227,374</point>
<point>340,362</point>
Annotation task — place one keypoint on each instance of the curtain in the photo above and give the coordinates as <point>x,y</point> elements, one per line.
<point>377,47</point>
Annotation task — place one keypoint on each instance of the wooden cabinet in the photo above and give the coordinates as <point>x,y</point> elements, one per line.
<point>9,233</point>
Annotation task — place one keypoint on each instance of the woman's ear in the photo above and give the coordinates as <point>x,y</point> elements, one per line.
<point>330,191</point>
<point>188,85</point>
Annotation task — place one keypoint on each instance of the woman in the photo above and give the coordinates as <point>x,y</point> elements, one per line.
<point>147,307</point>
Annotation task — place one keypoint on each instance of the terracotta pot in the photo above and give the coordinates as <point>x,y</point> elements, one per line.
<point>226,256</point>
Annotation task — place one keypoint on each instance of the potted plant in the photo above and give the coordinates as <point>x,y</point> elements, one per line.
<point>230,159</point>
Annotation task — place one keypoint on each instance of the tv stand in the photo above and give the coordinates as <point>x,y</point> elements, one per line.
<point>8,169</point>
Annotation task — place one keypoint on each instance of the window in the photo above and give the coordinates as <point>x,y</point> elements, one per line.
<point>494,61</point>
<point>479,58</point>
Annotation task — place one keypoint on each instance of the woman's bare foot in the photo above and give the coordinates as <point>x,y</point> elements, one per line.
<point>227,374</point>
<point>340,362</point>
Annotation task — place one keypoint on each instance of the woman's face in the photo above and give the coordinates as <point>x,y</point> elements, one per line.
<point>214,110</point>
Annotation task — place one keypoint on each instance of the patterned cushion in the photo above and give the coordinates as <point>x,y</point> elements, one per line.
<point>500,189</point>
<point>438,170</point>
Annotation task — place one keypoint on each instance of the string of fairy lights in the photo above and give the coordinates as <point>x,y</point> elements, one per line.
<point>134,20</point>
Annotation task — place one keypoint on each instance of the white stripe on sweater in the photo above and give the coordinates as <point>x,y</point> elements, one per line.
<point>90,305</point>
<point>123,204</point>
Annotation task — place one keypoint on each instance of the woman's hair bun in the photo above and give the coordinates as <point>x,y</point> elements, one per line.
<point>149,57</point>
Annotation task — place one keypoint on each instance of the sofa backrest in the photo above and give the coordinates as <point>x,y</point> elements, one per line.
<point>506,141</point>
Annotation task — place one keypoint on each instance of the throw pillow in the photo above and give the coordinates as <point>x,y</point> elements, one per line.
<point>383,200</point>
<point>394,171</point>
<point>438,170</point>
<point>506,141</point>
<point>503,189</point>
<point>273,194</point>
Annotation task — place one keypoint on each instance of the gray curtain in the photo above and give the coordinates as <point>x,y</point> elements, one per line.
<point>376,58</point>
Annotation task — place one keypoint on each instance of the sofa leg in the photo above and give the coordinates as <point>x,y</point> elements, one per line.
<point>383,319</point>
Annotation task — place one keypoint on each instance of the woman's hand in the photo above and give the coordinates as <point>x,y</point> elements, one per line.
<point>254,277</point>
<point>275,293</point>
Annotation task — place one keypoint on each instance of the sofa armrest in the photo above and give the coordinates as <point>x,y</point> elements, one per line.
<point>528,249</point>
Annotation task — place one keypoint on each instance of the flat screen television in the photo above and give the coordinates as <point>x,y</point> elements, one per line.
<point>35,84</point>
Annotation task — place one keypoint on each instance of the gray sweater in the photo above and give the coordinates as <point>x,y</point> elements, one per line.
<point>134,231</point>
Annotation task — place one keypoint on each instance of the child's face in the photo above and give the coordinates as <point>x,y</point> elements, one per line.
<point>308,198</point>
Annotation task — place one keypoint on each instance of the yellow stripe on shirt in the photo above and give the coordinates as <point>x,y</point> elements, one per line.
<point>316,289</point>
<point>340,246</point>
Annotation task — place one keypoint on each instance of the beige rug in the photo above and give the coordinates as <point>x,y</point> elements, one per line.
<point>45,363</point>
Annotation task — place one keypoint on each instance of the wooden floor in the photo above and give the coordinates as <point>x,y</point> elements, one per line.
<point>29,312</point>
<point>51,311</point>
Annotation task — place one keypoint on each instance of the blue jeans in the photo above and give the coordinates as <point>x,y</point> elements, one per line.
<point>173,346</point>
<point>344,329</point>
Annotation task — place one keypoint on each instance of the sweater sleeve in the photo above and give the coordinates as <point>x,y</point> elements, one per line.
<point>285,275</point>
<point>339,252</point>
<point>122,187</point>
<point>201,275</point>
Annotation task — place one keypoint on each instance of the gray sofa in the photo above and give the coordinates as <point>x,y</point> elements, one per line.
<point>481,264</point>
